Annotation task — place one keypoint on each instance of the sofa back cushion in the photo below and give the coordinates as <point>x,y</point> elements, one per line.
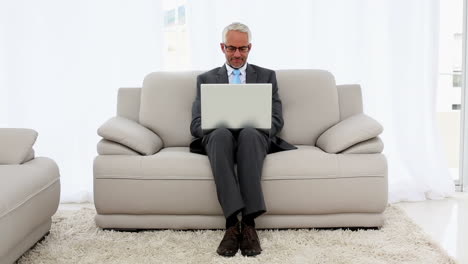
<point>166,105</point>
<point>16,145</point>
<point>310,105</point>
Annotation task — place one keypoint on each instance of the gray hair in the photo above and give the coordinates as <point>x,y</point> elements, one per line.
<point>237,27</point>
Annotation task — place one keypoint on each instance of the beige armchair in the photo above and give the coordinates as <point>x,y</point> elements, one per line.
<point>29,193</point>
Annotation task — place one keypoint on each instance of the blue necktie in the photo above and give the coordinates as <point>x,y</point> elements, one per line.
<point>236,78</point>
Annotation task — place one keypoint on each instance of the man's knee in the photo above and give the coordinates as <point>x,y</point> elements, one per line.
<point>249,134</point>
<point>222,135</point>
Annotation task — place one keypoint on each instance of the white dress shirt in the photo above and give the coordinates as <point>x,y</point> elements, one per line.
<point>231,75</point>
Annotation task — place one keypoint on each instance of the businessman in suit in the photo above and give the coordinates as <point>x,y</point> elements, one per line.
<point>241,193</point>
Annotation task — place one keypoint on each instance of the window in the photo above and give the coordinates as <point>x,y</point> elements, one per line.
<point>176,51</point>
<point>450,81</point>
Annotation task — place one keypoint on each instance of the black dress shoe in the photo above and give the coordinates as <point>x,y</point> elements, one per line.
<point>249,244</point>
<point>230,243</point>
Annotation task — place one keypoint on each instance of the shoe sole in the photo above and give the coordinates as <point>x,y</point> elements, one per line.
<point>250,255</point>
<point>227,255</point>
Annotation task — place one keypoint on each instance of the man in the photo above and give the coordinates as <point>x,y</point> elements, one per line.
<point>248,147</point>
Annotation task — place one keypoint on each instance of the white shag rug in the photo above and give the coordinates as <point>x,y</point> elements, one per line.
<point>74,238</point>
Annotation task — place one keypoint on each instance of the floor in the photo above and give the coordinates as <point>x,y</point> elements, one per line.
<point>444,220</point>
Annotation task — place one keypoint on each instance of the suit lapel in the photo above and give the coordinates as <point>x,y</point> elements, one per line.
<point>251,74</point>
<point>221,76</point>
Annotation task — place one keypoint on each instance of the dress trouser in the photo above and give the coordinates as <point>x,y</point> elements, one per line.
<point>248,147</point>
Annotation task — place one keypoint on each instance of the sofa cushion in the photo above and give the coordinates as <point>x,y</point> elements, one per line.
<point>106,147</point>
<point>166,164</point>
<point>353,130</point>
<point>309,97</point>
<point>293,164</point>
<point>311,162</point>
<point>166,105</point>
<point>16,144</point>
<point>310,104</point>
<point>131,134</point>
<point>373,145</point>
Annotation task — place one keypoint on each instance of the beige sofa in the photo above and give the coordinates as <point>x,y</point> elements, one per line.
<point>145,176</point>
<point>29,193</point>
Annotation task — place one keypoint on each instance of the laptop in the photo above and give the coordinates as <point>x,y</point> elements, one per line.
<point>236,106</point>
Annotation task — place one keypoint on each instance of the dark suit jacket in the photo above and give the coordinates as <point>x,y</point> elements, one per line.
<point>254,74</point>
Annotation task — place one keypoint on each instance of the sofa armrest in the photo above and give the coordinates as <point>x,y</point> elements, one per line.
<point>131,134</point>
<point>349,132</point>
<point>371,146</point>
<point>16,145</point>
<point>106,147</point>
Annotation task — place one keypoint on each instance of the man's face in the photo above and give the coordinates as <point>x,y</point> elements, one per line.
<point>236,49</point>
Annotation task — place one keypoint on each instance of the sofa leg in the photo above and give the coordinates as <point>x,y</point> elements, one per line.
<point>43,237</point>
<point>123,229</point>
<point>354,228</point>
<point>362,228</point>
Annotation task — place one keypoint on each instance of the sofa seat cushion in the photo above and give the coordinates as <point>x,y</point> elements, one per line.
<point>303,163</point>
<point>311,181</point>
<point>20,183</point>
<point>168,163</point>
<point>303,181</point>
<point>309,162</point>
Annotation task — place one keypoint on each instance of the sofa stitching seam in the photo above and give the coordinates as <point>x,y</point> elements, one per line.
<point>110,177</point>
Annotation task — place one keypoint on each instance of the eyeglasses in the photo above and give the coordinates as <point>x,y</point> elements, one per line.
<point>232,49</point>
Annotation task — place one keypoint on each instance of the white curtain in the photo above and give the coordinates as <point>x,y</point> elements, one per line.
<point>61,63</point>
<point>387,46</point>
